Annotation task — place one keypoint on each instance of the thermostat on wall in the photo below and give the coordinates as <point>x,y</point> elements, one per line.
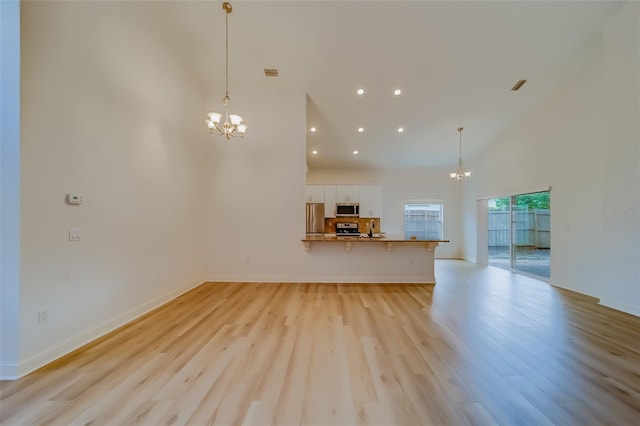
<point>75,198</point>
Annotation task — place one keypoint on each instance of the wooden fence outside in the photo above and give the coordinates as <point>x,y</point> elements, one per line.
<point>532,228</point>
<point>423,224</point>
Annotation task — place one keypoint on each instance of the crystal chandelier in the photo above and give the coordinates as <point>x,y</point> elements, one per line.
<point>461,174</point>
<point>232,125</point>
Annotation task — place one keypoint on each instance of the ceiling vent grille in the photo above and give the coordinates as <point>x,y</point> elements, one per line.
<point>518,85</point>
<point>271,72</point>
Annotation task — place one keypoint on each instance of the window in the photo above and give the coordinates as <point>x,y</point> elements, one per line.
<point>423,220</point>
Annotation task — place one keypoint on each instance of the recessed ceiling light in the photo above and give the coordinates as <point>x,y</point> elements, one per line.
<point>360,92</point>
<point>400,129</point>
<point>397,92</point>
<point>355,152</point>
<point>314,152</point>
<point>312,130</point>
<point>360,129</point>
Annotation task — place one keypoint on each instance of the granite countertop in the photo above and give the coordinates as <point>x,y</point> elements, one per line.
<point>382,238</point>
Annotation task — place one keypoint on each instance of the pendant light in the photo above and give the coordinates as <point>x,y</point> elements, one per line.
<point>461,174</point>
<point>232,125</point>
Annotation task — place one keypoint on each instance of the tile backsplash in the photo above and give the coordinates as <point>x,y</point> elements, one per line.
<point>363,224</point>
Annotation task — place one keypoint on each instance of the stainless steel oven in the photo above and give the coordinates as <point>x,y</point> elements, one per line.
<point>347,229</point>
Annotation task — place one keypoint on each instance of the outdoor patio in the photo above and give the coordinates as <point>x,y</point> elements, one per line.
<point>529,260</point>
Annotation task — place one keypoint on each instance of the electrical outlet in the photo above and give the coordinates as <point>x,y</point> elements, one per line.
<point>43,316</point>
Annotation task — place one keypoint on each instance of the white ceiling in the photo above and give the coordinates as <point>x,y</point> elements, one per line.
<point>454,61</point>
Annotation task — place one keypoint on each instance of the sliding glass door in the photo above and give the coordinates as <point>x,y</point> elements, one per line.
<point>519,233</point>
<point>499,228</point>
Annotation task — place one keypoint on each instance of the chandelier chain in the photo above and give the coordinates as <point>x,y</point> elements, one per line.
<point>460,147</point>
<point>226,25</point>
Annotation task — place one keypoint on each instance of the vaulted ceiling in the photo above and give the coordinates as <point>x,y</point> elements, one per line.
<point>454,61</point>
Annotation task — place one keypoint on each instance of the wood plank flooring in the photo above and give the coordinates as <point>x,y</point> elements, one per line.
<point>484,346</point>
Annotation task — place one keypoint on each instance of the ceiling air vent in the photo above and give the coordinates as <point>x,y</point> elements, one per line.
<point>517,86</point>
<point>271,72</point>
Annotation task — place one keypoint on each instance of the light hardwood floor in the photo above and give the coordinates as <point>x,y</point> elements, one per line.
<point>483,346</point>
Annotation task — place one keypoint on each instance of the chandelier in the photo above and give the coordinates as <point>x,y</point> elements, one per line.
<point>232,125</point>
<point>461,174</point>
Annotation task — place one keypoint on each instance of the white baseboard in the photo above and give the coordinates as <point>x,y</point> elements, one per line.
<point>621,306</point>
<point>609,303</point>
<point>554,284</point>
<point>12,372</point>
<point>374,279</point>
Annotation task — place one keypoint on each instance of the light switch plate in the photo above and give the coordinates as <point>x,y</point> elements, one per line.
<point>75,234</point>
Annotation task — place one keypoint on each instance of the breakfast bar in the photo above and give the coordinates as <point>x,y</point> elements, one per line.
<point>349,218</point>
<point>388,243</point>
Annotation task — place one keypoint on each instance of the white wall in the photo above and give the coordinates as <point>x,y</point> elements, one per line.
<point>108,112</point>
<point>407,184</point>
<point>256,185</point>
<point>620,150</point>
<point>10,187</point>
<point>583,142</point>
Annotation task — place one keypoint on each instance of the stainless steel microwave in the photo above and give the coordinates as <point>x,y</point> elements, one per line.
<point>347,210</point>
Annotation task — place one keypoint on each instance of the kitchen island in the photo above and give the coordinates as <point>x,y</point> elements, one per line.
<point>388,243</point>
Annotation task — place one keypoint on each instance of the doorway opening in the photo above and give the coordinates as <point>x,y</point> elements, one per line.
<point>520,234</point>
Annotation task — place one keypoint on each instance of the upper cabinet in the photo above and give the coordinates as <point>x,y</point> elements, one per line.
<point>369,197</point>
<point>314,194</point>
<point>370,201</point>
<point>329,201</point>
<point>347,193</point>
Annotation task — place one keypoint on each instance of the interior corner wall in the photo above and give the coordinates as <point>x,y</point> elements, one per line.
<point>107,112</point>
<point>583,141</point>
<point>10,189</point>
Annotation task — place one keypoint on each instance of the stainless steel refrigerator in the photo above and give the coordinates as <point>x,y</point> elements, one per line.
<point>315,218</point>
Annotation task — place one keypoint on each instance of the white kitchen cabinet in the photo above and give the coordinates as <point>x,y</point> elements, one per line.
<point>347,193</point>
<point>370,201</point>
<point>329,201</point>
<point>314,194</point>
